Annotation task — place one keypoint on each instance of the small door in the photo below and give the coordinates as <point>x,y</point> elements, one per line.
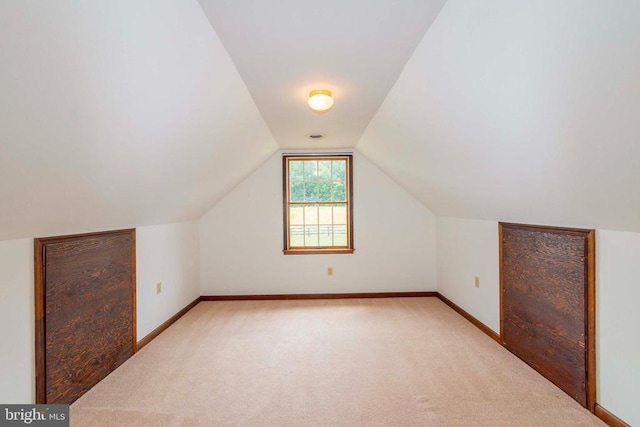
<point>548,304</point>
<point>85,311</point>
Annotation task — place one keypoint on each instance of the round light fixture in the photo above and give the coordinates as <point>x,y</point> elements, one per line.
<point>320,101</point>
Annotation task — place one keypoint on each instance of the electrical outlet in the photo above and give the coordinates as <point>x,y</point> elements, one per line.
<point>158,288</point>
<point>330,271</point>
<point>477,282</point>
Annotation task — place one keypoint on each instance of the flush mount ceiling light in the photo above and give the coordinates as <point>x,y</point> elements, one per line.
<point>320,101</point>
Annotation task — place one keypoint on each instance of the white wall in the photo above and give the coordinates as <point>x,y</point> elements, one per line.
<point>17,322</point>
<point>617,322</point>
<point>166,254</point>
<point>241,241</point>
<point>387,258</point>
<point>466,249</point>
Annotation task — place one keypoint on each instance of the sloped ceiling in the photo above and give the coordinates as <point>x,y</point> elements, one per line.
<point>284,49</point>
<point>116,114</point>
<point>520,111</point>
<point>128,113</point>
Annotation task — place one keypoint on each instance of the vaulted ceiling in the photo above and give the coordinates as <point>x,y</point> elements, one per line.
<point>284,49</point>
<point>117,114</point>
<point>520,111</point>
<point>140,112</point>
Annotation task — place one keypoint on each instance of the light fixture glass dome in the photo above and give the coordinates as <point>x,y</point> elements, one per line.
<point>320,100</point>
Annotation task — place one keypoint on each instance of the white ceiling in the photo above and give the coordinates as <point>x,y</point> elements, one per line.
<point>133,112</point>
<point>520,111</point>
<point>112,115</point>
<point>284,49</point>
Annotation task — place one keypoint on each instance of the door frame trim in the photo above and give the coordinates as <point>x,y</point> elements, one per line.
<point>39,276</point>
<point>590,295</point>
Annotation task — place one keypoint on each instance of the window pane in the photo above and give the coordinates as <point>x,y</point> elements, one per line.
<point>295,170</point>
<point>311,236</point>
<point>339,192</point>
<point>324,191</point>
<point>340,235</point>
<point>310,170</point>
<point>296,236</point>
<point>339,170</point>
<point>317,211</point>
<point>340,215</point>
<point>326,235</point>
<point>311,215</point>
<point>324,170</point>
<point>311,191</point>
<point>296,215</point>
<point>296,192</point>
<point>325,215</point>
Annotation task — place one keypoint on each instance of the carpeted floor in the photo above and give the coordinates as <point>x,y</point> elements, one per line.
<point>355,362</point>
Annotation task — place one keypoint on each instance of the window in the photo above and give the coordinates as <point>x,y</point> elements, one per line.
<point>318,209</point>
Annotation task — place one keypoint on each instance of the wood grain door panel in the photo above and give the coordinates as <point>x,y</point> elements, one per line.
<point>546,299</point>
<point>86,327</point>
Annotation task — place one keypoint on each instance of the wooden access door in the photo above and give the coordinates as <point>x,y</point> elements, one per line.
<point>547,315</point>
<point>85,311</point>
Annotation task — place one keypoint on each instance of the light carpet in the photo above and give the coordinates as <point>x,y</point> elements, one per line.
<point>352,362</point>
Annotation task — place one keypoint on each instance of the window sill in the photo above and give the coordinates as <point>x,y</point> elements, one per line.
<point>317,251</point>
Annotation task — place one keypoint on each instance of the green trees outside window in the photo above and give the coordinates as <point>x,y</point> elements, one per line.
<point>317,203</point>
